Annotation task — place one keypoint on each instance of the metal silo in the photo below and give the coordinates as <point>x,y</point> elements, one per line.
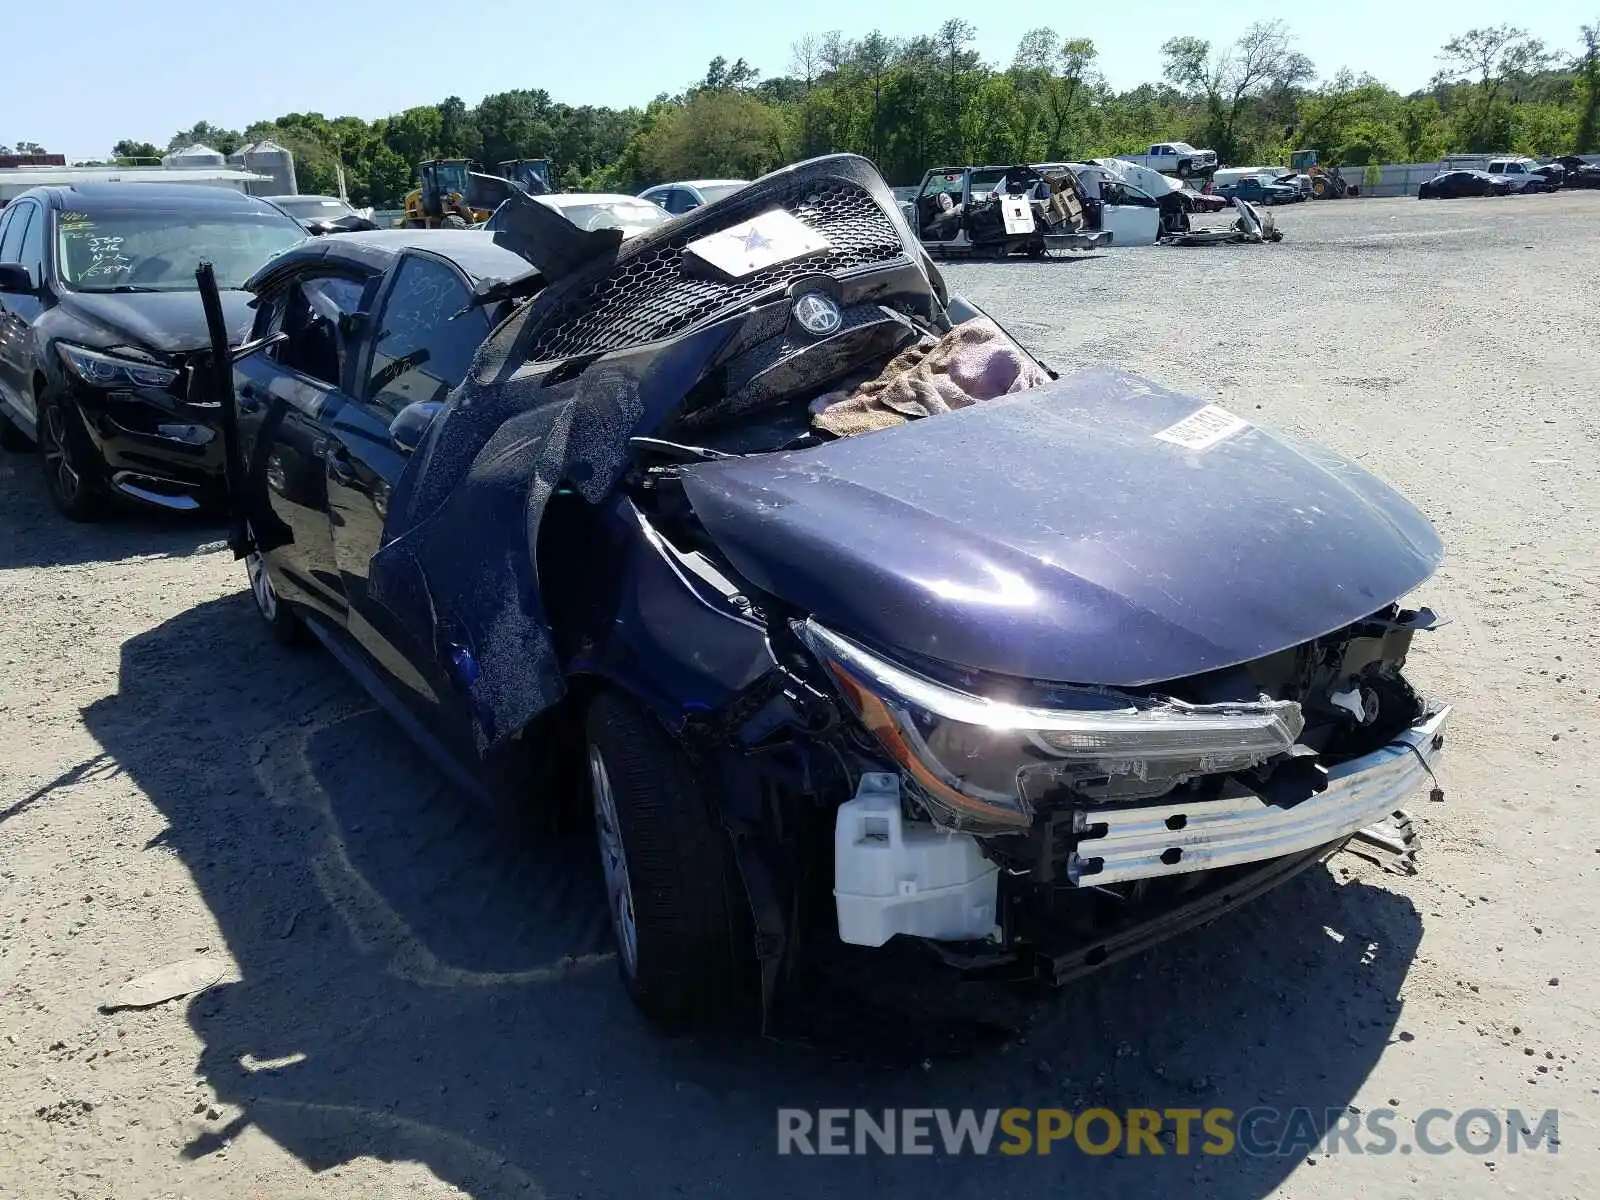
<point>192,158</point>
<point>270,159</point>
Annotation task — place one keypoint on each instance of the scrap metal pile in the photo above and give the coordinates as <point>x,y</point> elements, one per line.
<point>1252,226</point>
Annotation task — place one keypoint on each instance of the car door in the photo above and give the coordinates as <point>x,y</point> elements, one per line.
<point>21,241</point>
<point>287,399</point>
<point>1130,215</point>
<point>937,204</point>
<point>422,339</point>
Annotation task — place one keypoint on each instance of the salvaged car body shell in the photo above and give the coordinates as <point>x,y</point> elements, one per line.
<point>977,225</point>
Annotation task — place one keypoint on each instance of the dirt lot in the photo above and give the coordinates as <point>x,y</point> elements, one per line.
<point>407,1009</point>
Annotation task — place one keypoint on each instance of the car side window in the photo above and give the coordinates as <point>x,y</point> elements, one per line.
<point>309,311</point>
<point>16,225</point>
<point>425,342</point>
<point>681,200</point>
<point>31,254</point>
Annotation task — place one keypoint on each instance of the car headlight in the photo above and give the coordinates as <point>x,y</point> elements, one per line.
<point>99,369</point>
<point>981,763</point>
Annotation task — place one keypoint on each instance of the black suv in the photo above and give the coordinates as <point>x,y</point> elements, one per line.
<point>100,322</point>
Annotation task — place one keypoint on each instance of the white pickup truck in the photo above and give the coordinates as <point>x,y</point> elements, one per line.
<point>1175,158</point>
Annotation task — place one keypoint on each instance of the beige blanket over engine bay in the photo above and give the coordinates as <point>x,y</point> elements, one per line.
<point>975,361</point>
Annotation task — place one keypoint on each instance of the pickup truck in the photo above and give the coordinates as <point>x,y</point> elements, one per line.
<point>1257,189</point>
<point>1176,158</point>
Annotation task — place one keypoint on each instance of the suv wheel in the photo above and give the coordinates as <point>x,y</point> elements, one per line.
<point>678,909</point>
<point>73,472</point>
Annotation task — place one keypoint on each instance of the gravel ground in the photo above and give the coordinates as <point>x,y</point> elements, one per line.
<point>408,1009</point>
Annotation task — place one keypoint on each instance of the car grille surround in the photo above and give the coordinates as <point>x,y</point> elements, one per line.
<point>649,291</point>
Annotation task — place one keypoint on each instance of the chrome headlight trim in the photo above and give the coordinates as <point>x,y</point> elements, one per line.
<point>929,727</point>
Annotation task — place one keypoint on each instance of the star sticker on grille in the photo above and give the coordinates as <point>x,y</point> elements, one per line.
<point>754,239</point>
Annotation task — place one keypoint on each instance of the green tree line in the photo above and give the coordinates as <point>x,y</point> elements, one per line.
<point>930,100</point>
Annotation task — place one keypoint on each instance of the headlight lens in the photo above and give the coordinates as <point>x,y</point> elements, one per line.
<point>978,760</point>
<point>98,369</point>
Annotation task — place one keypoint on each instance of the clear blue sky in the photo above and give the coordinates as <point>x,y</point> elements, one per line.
<point>80,76</point>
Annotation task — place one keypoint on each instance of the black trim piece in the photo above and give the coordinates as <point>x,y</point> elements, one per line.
<point>1064,966</point>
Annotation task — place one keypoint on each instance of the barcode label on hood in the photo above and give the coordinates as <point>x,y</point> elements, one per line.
<point>1204,428</point>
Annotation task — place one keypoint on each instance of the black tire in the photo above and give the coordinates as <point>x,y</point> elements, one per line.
<point>690,964</point>
<point>74,472</point>
<point>453,221</point>
<point>1184,169</point>
<point>287,629</point>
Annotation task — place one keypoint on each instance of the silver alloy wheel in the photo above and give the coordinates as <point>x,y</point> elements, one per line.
<point>261,585</point>
<point>619,891</point>
<point>58,453</point>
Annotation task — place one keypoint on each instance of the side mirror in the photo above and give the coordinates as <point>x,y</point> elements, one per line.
<point>246,349</point>
<point>16,280</point>
<point>407,429</point>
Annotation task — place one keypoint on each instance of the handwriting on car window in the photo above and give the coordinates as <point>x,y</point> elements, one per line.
<point>421,295</point>
<point>105,257</point>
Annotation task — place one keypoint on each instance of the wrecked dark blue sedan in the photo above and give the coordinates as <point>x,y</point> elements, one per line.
<point>858,621</point>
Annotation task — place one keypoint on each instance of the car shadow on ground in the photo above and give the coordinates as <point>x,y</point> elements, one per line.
<point>412,989</point>
<point>34,534</point>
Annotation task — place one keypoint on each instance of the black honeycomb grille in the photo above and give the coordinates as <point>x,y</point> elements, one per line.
<point>648,296</point>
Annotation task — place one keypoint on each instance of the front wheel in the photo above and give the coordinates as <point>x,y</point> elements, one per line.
<point>1184,169</point>
<point>678,909</point>
<point>453,221</point>
<point>74,473</point>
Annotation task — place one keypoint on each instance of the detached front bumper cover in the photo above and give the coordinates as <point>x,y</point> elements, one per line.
<point>1146,841</point>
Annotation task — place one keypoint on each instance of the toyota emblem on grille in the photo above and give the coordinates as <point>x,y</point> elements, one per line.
<point>818,314</point>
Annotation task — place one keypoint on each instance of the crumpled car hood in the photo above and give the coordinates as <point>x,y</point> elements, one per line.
<point>163,322</point>
<point>1099,529</point>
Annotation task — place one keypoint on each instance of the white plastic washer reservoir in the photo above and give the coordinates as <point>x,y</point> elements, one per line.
<point>894,876</point>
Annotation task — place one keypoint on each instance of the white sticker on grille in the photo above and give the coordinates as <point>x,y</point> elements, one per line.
<point>1204,428</point>
<point>774,237</point>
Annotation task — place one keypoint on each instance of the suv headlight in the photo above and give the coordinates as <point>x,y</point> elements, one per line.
<point>99,369</point>
<point>977,760</point>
